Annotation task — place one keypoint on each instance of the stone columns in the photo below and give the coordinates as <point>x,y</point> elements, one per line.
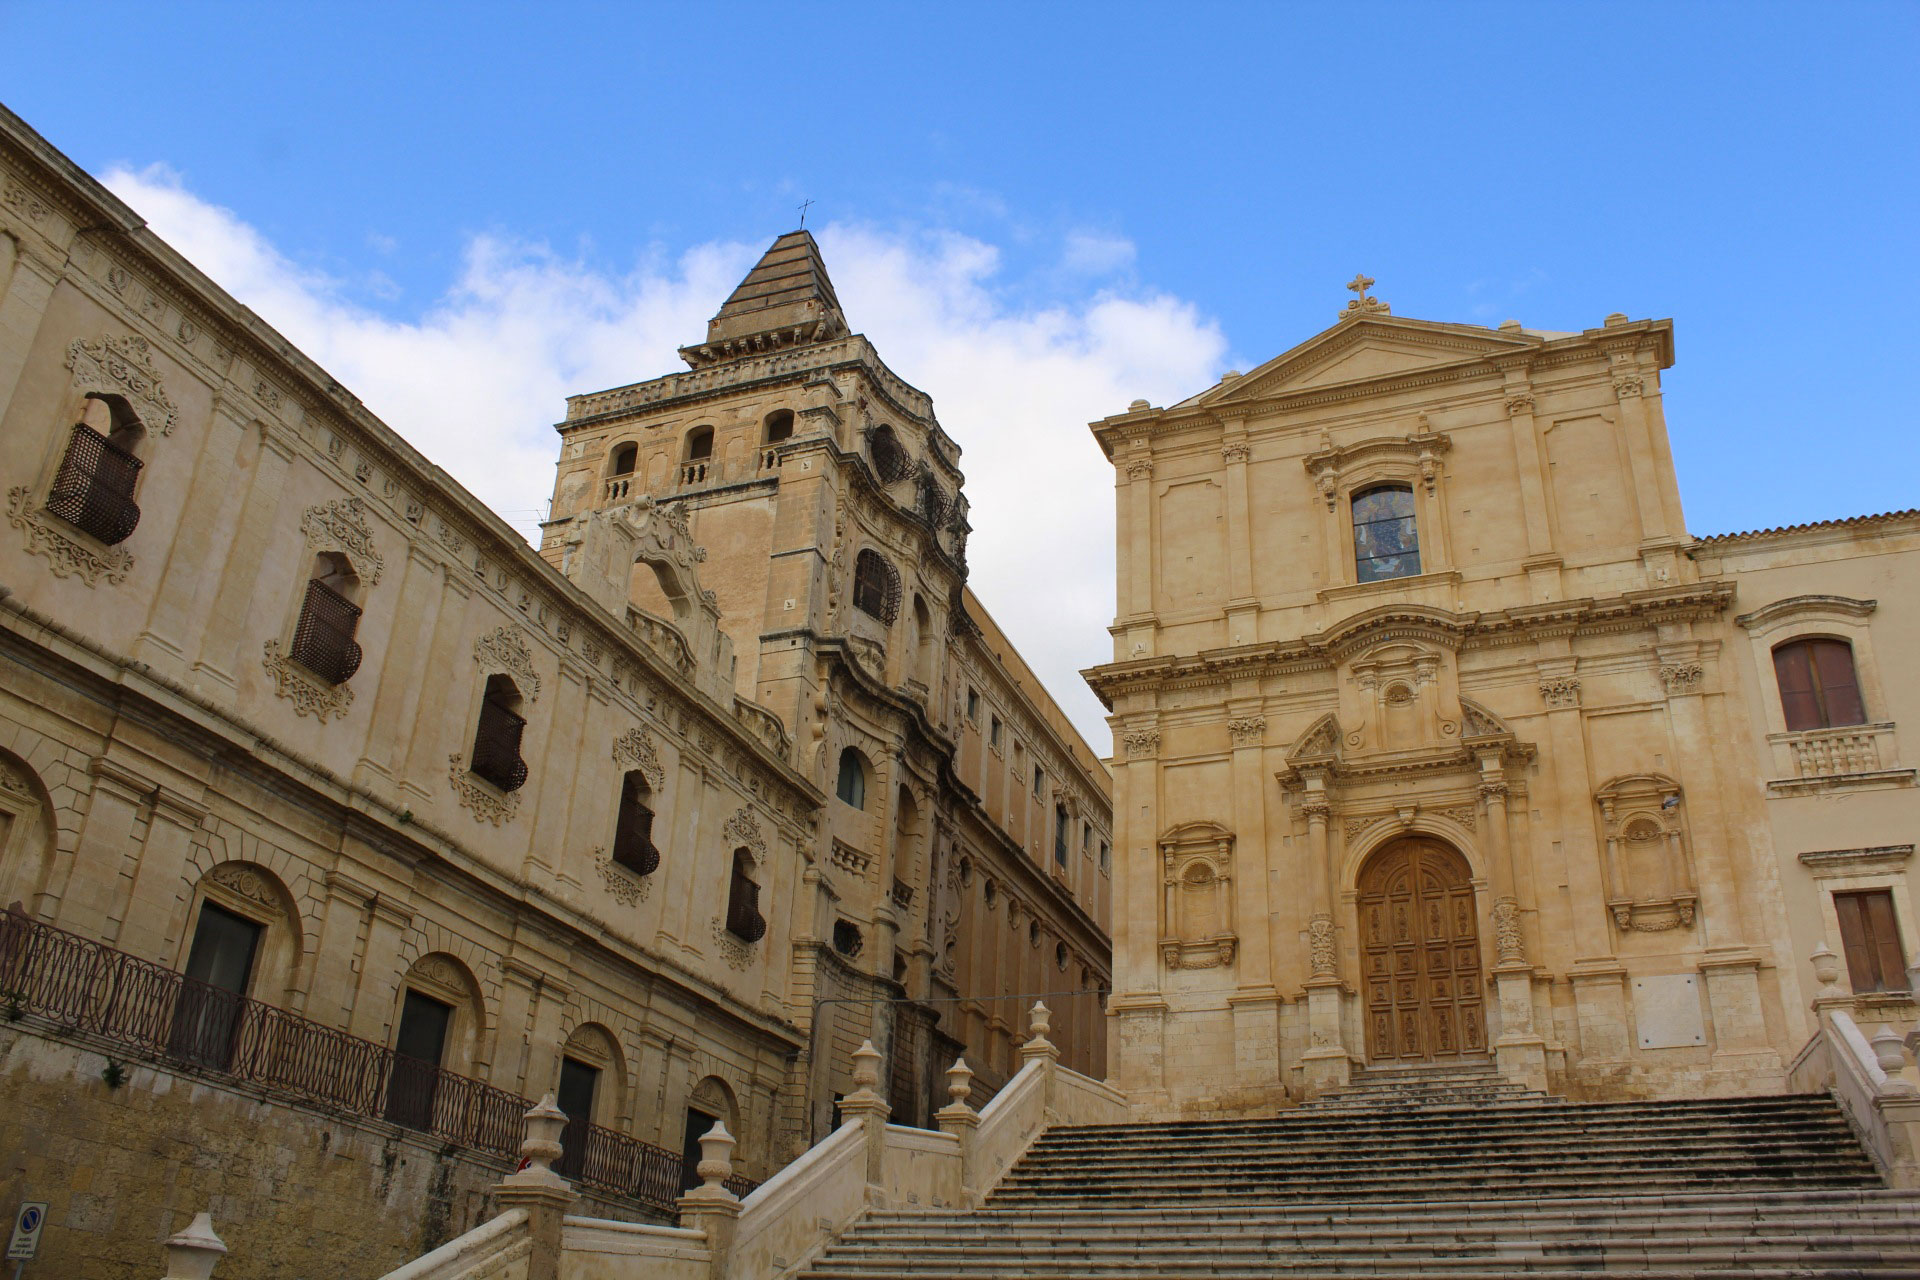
<point>867,1106</point>
<point>1255,1003</point>
<point>1520,1051</point>
<point>544,1194</point>
<point>1325,1060</point>
<point>1243,608</point>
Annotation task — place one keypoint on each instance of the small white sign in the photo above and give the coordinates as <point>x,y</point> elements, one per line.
<point>26,1231</point>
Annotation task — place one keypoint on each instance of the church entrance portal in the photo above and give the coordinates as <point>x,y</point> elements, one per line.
<point>1420,952</point>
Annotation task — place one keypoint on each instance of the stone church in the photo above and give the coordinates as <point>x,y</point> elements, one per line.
<point>338,822</point>
<point>1439,738</point>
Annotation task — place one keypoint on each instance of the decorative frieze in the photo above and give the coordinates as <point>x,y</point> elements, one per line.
<point>310,695</point>
<point>67,554</point>
<point>635,749</point>
<point>505,649</point>
<point>1141,743</point>
<point>1247,732</point>
<point>1561,691</point>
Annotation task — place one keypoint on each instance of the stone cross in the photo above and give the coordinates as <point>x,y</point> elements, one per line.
<point>1360,284</point>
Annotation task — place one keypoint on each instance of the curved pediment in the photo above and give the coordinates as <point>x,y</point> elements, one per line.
<point>1321,741</point>
<point>1415,623</point>
<point>1203,831</point>
<point>1476,722</point>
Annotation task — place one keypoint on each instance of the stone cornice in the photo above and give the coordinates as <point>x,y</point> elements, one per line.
<point>1630,611</point>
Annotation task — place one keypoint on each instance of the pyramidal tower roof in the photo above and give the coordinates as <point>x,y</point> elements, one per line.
<point>785,301</point>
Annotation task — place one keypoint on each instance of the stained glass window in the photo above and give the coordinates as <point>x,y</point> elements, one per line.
<point>1386,544</point>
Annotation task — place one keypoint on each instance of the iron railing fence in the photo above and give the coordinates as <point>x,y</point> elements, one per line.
<point>93,489</point>
<point>323,640</point>
<point>163,1015</point>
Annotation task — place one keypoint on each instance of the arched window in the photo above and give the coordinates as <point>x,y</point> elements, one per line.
<point>323,637</point>
<point>496,740</point>
<point>889,457</point>
<point>621,462</point>
<point>633,845</point>
<point>876,586</point>
<point>699,444</point>
<point>93,489</point>
<point>1386,543</point>
<point>846,938</point>
<point>852,788</point>
<point>1818,687</point>
<point>779,426</point>
<point>744,920</point>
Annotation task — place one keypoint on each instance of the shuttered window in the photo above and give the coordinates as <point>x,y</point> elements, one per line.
<point>1818,687</point>
<point>1871,938</point>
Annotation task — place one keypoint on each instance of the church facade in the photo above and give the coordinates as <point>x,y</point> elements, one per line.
<point>1438,737</point>
<point>339,821</point>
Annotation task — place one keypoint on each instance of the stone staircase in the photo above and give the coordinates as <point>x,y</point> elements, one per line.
<point>1448,1172</point>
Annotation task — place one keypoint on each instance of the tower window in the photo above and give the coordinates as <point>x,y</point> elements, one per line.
<point>623,459</point>
<point>1818,686</point>
<point>633,845</point>
<point>699,444</point>
<point>846,938</point>
<point>889,458</point>
<point>876,586</point>
<point>852,788</point>
<point>496,740</point>
<point>779,426</point>
<point>1386,541</point>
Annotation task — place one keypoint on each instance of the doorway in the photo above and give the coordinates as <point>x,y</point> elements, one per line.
<point>212,1000</point>
<point>416,1060</point>
<point>1420,954</point>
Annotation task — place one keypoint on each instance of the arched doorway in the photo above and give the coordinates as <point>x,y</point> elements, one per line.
<point>1420,952</point>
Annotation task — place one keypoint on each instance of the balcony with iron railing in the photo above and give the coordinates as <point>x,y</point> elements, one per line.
<point>79,986</point>
<point>93,489</point>
<point>323,639</point>
<point>496,749</point>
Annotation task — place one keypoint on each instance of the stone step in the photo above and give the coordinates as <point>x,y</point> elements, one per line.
<point>1720,1107</point>
<point>1649,1178</point>
<point>1894,1266</point>
<point>1312,1146</point>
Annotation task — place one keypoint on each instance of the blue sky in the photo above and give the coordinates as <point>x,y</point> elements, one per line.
<point>1123,198</point>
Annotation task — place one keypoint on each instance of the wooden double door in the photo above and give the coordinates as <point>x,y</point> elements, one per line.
<point>1420,954</point>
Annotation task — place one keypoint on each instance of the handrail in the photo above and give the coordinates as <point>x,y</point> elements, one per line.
<point>166,1016</point>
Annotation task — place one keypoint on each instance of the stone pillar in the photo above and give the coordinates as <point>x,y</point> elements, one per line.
<point>1325,1060</point>
<point>193,1253</point>
<point>21,310</point>
<point>1542,565</point>
<point>225,627</point>
<point>403,673</point>
<point>1255,1003</point>
<point>1243,608</point>
<point>1520,1051</point>
<point>963,1122</point>
<point>202,543</point>
<point>544,1194</point>
<point>867,1106</point>
<point>380,971</point>
<point>710,1207</point>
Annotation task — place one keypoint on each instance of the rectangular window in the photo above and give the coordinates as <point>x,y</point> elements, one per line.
<point>1086,837</point>
<point>1039,780</point>
<point>1386,540</point>
<point>973,705</point>
<point>1060,837</point>
<point>993,734</point>
<point>1106,856</point>
<point>1871,938</point>
<point>206,1018</point>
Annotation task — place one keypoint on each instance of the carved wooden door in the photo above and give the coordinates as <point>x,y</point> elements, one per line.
<point>1420,952</point>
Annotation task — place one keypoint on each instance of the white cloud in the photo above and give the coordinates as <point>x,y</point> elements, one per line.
<point>477,379</point>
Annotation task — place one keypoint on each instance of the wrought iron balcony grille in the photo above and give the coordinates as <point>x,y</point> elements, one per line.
<point>744,920</point>
<point>633,846</point>
<point>496,748</point>
<point>93,490</point>
<point>323,638</point>
<point>73,984</point>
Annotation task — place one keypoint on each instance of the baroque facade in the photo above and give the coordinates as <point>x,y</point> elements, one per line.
<point>666,816</point>
<point>1438,737</point>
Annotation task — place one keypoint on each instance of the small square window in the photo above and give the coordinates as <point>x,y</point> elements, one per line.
<point>993,734</point>
<point>973,705</point>
<point>1039,780</point>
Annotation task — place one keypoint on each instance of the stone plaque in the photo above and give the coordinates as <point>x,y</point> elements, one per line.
<point>1667,1011</point>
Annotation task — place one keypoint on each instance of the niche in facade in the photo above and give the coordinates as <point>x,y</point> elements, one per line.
<point>1650,877</point>
<point>1196,916</point>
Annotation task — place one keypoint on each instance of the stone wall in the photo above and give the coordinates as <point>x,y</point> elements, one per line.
<point>293,1192</point>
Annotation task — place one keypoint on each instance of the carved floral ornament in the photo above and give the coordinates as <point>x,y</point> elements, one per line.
<point>1681,677</point>
<point>1560,691</point>
<point>486,804</point>
<point>310,695</point>
<point>341,526</point>
<point>123,367</point>
<point>1247,732</point>
<point>505,649</point>
<point>626,888</point>
<point>68,556</point>
<point>1141,743</point>
<point>246,882</point>
<point>635,749</point>
<point>742,830</point>
<point>1509,944</point>
<point>1336,468</point>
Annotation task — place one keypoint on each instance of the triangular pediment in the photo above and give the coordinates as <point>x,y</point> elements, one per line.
<point>1370,349</point>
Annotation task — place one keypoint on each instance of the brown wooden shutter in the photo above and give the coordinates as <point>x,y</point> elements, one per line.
<point>1884,937</point>
<point>1870,935</point>
<point>1793,668</point>
<point>1839,687</point>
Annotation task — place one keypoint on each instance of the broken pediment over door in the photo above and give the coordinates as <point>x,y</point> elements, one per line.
<point>1400,698</point>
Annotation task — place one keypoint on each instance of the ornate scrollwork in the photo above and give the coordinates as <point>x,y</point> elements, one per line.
<point>505,649</point>
<point>635,749</point>
<point>1320,948</point>
<point>123,366</point>
<point>487,804</point>
<point>310,695</point>
<point>237,877</point>
<point>1141,743</point>
<point>69,557</point>
<point>341,525</point>
<point>735,951</point>
<point>743,830</point>
<point>626,887</point>
<point>1507,940</point>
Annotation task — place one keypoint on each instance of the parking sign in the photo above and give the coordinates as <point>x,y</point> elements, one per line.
<point>26,1231</point>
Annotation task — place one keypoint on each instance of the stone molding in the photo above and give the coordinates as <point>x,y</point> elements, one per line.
<point>487,803</point>
<point>310,695</point>
<point>504,649</point>
<point>341,525</point>
<point>69,554</point>
<point>1825,864</point>
<point>123,366</point>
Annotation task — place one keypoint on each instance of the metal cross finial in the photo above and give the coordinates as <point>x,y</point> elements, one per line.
<point>806,204</point>
<point>1360,284</point>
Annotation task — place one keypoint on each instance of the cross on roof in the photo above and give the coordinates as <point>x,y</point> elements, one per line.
<point>1360,284</point>
<point>1363,303</point>
<point>808,204</point>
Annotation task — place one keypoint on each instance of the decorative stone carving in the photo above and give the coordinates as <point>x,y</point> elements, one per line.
<point>1354,826</point>
<point>1141,743</point>
<point>1507,940</point>
<point>487,804</point>
<point>310,695</point>
<point>1630,385</point>
<point>1196,923</point>
<point>267,394</point>
<point>1238,451</point>
<point>1561,691</point>
<point>1140,469</point>
<point>742,830</point>
<point>1519,404</point>
<point>70,557</point>
<point>123,367</point>
<point>505,649</point>
<point>341,525</point>
<point>626,887</point>
<point>1323,739</point>
<point>1681,677</point>
<point>1415,454</point>
<point>1480,722</point>
<point>1247,732</point>
<point>1320,948</point>
<point>238,878</point>
<point>849,859</point>
<point>1466,815</point>
<point>635,749</point>
<point>736,952</point>
<point>23,202</point>
<point>1363,303</point>
<point>1651,883</point>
